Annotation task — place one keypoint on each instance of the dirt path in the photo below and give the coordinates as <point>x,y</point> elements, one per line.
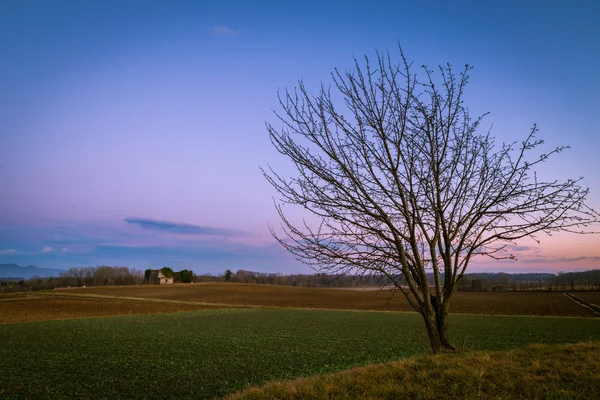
<point>147,299</point>
<point>583,304</point>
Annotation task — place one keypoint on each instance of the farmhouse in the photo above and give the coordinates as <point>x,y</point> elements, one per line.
<point>166,276</point>
<point>164,280</point>
<point>162,276</point>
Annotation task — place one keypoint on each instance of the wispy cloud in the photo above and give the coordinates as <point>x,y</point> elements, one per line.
<point>521,248</point>
<point>180,228</point>
<point>143,243</point>
<point>564,260</point>
<point>223,30</point>
<point>200,258</point>
<point>61,237</point>
<point>44,250</point>
<point>9,251</point>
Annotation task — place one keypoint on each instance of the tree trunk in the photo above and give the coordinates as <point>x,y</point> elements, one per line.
<point>442,327</point>
<point>432,332</point>
<point>436,323</point>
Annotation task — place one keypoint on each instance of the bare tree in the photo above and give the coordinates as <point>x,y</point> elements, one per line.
<point>403,184</point>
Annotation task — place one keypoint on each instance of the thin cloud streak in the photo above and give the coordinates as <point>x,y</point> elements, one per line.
<point>521,248</point>
<point>180,228</point>
<point>9,251</point>
<point>223,30</point>
<point>201,259</point>
<point>555,260</point>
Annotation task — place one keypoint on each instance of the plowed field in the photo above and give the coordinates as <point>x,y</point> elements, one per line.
<point>45,306</point>
<point>506,303</point>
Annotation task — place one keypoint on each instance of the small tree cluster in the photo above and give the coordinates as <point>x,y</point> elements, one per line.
<point>167,272</point>
<point>183,276</point>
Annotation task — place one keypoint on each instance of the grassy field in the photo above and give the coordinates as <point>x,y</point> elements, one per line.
<point>536,372</point>
<point>506,303</point>
<point>202,354</point>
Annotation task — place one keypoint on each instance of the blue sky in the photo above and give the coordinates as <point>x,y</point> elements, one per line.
<point>131,132</point>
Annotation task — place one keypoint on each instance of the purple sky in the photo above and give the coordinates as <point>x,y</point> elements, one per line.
<point>131,132</point>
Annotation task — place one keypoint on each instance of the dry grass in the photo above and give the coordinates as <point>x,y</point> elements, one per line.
<point>507,303</point>
<point>46,306</point>
<point>537,372</point>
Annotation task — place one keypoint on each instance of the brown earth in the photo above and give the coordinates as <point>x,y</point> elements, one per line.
<point>590,297</point>
<point>509,303</point>
<point>151,299</point>
<point>42,306</point>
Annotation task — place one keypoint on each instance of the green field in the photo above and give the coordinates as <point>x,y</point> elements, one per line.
<point>203,354</point>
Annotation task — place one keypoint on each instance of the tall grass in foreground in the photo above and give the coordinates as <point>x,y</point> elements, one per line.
<point>537,372</point>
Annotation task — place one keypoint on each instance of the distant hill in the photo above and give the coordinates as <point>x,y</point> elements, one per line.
<point>17,271</point>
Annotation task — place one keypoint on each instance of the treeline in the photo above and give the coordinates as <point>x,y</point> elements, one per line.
<point>76,277</point>
<point>577,280</point>
<point>108,276</point>
<point>301,280</point>
<point>501,281</point>
<point>584,280</point>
